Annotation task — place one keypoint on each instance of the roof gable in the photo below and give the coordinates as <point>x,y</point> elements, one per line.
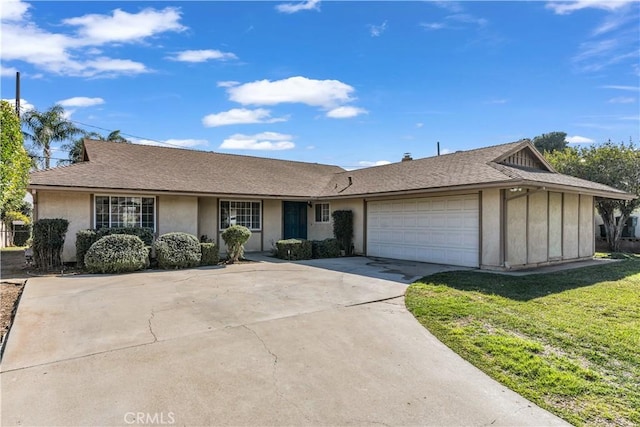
<point>524,156</point>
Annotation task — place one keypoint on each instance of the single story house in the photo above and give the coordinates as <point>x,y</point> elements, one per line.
<point>499,207</point>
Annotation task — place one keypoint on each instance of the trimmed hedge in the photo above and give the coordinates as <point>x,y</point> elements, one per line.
<point>86,238</point>
<point>177,250</point>
<point>327,248</point>
<point>117,253</point>
<point>235,237</point>
<point>210,255</point>
<point>294,249</point>
<point>48,242</point>
<point>144,233</point>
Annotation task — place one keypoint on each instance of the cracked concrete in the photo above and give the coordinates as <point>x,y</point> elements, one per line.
<point>251,344</point>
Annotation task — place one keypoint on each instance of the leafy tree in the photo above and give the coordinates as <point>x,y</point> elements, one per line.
<point>615,165</point>
<point>14,162</point>
<point>45,128</point>
<point>552,141</point>
<point>75,148</point>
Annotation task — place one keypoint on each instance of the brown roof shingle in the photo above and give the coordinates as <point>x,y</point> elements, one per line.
<point>151,168</point>
<point>116,166</point>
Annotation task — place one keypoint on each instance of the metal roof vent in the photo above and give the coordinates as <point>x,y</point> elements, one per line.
<point>407,157</point>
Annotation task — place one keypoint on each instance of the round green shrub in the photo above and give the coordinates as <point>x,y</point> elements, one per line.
<point>117,253</point>
<point>177,250</point>
<point>235,237</point>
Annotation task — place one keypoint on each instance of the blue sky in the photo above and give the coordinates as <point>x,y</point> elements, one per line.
<point>347,83</point>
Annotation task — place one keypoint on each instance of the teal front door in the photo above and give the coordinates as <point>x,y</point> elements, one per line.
<point>295,220</point>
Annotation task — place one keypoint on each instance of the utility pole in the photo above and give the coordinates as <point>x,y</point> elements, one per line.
<point>18,93</point>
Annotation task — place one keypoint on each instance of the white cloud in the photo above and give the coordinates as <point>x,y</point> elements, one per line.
<point>419,125</point>
<point>620,87</point>
<point>184,143</point>
<point>622,100</point>
<point>297,7</point>
<point>75,54</point>
<point>13,10</point>
<point>317,93</point>
<point>433,25</point>
<point>345,112</point>
<point>446,151</point>
<point>125,27</point>
<point>240,116</point>
<point>24,104</point>
<point>202,55</point>
<point>577,139</point>
<point>8,71</point>
<point>227,83</point>
<point>267,141</point>
<point>81,101</point>
<point>456,21</point>
<point>377,30</point>
<point>562,8</point>
<point>366,164</point>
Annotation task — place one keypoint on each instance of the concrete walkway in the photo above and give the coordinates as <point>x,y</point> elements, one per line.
<point>264,343</point>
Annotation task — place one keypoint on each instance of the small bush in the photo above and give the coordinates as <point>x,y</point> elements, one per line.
<point>144,233</point>
<point>84,240</point>
<point>48,242</point>
<point>118,253</point>
<point>177,250</point>
<point>294,249</point>
<point>235,237</point>
<point>210,254</point>
<point>327,248</point>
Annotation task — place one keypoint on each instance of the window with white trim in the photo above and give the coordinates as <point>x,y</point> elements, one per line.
<point>322,212</point>
<point>248,214</point>
<point>125,211</point>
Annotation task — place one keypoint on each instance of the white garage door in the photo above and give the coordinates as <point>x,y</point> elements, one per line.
<point>441,230</point>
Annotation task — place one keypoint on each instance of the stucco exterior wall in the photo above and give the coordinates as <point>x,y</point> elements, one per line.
<point>177,214</point>
<point>516,229</point>
<point>74,207</point>
<point>545,227</point>
<point>491,228</point>
<point>271,223</point>
<point>555,226</point>
<point>319,230</point>
<point>570,226</point>
<point>207,217</point>
<point>537,232</point>
<point>586,238</point>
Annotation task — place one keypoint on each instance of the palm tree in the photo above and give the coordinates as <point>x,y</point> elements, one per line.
<point>115,136</point>
<point>47,127</point>
<point>75,148</point>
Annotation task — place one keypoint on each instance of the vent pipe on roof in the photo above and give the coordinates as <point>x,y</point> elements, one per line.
<point>350,180</point>
<point>438,148</point>
<point>407,157</point>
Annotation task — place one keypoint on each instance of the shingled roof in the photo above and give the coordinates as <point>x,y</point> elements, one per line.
<point>479,168</point>
<point>132,167</point>
<point>118,166</point>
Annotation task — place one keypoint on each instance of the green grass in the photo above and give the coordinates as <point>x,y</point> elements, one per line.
<point>568,341</point>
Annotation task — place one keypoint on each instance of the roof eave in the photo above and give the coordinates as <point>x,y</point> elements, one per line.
<point>111,190</point>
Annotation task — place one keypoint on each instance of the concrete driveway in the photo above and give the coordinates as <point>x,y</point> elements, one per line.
<point>265,343</point>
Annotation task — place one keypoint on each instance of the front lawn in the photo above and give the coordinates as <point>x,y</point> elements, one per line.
<point>568,341</point>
